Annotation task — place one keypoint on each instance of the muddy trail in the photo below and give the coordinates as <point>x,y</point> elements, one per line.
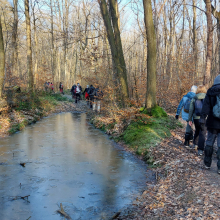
<point>63,159</point>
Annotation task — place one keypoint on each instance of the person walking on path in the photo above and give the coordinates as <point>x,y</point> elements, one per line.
<point>46,86</point>
<point>61,88</point>
<point>91,95</point>
<point>77,92</point>
<point>73,91</point>
<point>184,105</point>
<point>80,90</point>
<point>85,92</point>
<point>211,108</point>
<point>195,110</point>
<point>98,97</point>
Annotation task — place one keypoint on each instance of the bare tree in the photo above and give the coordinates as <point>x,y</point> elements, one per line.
<point>207,75</point>
<point>2,59</point>
<point>29,48</point>
<point>151,55</point>
<point>14,39</point>
<point>113,34</point>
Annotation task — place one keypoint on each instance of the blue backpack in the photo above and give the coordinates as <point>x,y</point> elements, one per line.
<point>186,105</point>
<point>198,107</point>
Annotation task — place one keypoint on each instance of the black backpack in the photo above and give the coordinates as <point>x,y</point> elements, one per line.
<point>198,107</point>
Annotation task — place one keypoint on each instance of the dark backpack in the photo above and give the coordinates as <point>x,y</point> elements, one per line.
<point>187,105</point>
<point>198,107</point>
<point>216,108</point>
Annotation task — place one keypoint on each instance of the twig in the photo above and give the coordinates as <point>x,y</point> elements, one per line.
<point>21,197</point>
<point>62,212</point>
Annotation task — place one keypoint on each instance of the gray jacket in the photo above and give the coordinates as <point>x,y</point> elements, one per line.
<point>192,114</point>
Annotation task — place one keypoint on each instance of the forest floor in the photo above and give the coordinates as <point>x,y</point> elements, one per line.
<point>183,188</point>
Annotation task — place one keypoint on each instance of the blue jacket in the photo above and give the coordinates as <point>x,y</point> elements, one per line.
<point>185,115</point>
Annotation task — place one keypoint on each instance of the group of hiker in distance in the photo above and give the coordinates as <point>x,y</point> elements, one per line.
<point>202,108</point>
<point>92,95</point>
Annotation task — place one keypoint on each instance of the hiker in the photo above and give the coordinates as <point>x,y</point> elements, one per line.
<point>184,105</point>
<point>195,110</point>
<point>85,92</point>
<point>73,91</point>
<point>211,108</point>
<point>97,101</point>
<point>80,90</point>
<point>91,93</point>
<point>61,88</point>
<point>77,92</point>
<point>52,86</point>
<point>46,86</point>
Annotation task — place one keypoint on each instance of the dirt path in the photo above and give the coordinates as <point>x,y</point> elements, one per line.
<point>184,189</point>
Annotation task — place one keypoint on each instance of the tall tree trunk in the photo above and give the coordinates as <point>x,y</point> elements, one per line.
<point>115,23</point>
<point>151,55</point>
<point>120,75</point>
<point>207,75</point>
<point>36,76</point>
<point>14,39</point>
<point>2,60</point>
<point>29,48</point>
<point>195,49</point>
<point>52,43</point>
<point>216,14</point>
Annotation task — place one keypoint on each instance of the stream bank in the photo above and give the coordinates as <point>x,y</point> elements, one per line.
<point>27,110</point>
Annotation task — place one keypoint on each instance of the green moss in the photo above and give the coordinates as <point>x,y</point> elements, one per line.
<point>140,136</point>
<point>158,112</point>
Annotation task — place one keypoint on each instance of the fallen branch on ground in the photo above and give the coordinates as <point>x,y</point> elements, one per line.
<point>62,212</point>
<point>20,197</point>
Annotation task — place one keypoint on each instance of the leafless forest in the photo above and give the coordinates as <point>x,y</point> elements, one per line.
<point>111,44</point>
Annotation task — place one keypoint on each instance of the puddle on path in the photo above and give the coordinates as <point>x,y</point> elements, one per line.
<point>68,161</point>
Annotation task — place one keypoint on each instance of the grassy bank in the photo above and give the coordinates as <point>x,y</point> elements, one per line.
<point>142,131</point>
<point>23,109</point>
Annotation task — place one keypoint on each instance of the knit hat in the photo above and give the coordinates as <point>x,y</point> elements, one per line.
<point>217,80</point>
<point>193,88</point>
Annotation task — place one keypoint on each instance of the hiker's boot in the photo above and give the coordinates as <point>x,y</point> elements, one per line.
<point>191,136</point>
<point>207,167</point>
<point>187,137</point>
<point>186,143</point>
<point>200,152</point>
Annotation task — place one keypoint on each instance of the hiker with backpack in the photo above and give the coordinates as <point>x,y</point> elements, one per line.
<point>91,93</point>
<point>73,91</point>
<point>184,105</point>
<point>80,90</point>
<point>77,92</point>
<point>195,110</point>
<point>98,97</point>
<point>211,108</point>
<point>61,88</point>
<point>85,92</point>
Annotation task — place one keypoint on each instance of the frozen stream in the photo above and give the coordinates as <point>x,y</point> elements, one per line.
<point>68,161</point>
